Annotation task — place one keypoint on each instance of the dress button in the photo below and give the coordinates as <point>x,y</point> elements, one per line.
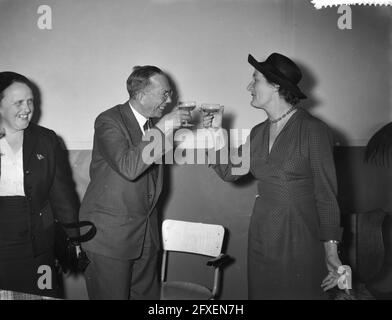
<point>40,214</point>
<point>27,172</point>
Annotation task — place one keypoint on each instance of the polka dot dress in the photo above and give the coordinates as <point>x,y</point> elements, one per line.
<point>294,211</point>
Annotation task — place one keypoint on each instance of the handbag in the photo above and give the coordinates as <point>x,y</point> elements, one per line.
<point>65,247</point>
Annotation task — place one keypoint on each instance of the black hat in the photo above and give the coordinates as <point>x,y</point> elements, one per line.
<point>280,70</point>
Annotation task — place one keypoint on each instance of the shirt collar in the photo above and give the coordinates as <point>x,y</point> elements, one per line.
<point>141,120</point>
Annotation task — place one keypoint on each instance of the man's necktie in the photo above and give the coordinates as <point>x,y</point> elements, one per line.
<point>153,170</point>
<point>148,125</point>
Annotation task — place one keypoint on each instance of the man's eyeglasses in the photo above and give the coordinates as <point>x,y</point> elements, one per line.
<point>167,93</point>
<point>164,94</point>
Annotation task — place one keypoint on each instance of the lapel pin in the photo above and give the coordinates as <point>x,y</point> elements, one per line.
<point>40,156</point>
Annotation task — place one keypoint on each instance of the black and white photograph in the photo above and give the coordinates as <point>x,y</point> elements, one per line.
<point>222,150</point>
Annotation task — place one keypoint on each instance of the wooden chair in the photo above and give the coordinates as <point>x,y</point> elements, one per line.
<point>195,238</point>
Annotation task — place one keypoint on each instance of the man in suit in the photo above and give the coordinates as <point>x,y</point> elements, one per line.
<point>124,189</point>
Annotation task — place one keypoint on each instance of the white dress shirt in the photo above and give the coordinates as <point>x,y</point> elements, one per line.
<point>141,120</point>
<point>12,177</point>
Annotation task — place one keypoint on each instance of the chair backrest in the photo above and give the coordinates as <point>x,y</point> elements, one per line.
<point>192,237</point>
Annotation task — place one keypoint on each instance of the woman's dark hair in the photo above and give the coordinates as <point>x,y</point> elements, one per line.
<point>7,78</point>
<point>287,95</point>
<point>140,79</point>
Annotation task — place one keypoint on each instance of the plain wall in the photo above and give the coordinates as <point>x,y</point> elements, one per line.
<point>81,66</point>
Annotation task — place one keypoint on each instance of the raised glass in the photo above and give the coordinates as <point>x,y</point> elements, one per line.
<point>213,109</point>
<point>189,106</point>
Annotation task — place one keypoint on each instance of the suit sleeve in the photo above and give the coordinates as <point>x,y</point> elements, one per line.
<point>127,160</point>
<point>324,179</point>
<point>63,197</point>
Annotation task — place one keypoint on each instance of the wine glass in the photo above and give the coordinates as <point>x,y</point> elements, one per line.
<point>213,109</point>
<point>188,106</point>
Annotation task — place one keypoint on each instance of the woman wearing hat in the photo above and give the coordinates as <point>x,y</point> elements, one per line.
<point>295,225</point>
<point>33,177</point>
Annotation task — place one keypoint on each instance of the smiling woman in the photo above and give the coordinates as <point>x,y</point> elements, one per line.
<point>34,178</point>
<point>16,107</point>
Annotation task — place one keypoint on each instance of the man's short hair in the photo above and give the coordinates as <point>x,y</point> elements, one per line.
<point>140,79</point>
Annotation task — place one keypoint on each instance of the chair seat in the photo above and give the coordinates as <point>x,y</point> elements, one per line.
<point>178,290</point>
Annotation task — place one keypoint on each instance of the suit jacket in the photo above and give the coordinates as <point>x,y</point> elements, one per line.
<point>123,192</point>
<point>48,186</point>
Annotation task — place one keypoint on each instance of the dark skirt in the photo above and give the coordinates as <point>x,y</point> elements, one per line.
<point>286,260</point>
<point>20,270</point>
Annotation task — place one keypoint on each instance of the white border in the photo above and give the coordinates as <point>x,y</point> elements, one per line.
<point>319,4</point>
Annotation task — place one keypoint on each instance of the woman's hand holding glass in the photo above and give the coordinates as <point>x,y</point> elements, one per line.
<point>212,115</point>
<point>207,120</point>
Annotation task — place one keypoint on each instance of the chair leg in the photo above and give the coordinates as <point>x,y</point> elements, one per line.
<point>216,282</point>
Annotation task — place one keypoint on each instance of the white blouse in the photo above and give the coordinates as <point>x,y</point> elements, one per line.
<point>11,176</point>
